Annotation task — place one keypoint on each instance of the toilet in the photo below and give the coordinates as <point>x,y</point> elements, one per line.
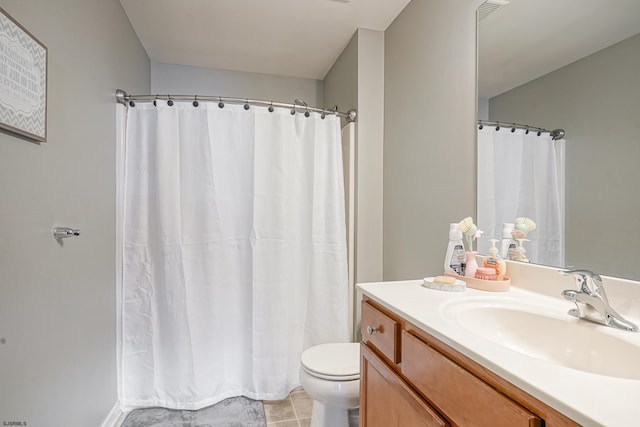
<point>330,374</point>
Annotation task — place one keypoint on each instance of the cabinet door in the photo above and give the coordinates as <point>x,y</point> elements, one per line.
<point>386,401</point>
<point>467,400</point>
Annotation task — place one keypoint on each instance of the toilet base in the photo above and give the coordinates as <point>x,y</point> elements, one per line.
<point>325,415</point>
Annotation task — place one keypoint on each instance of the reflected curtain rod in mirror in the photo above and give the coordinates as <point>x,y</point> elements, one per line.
<point>555,134</point>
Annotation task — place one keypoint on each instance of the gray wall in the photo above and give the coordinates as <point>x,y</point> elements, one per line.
<point>186,80</point>
<point>483,109</point>
<point>57,303</point>
<point>369,208</point>
<point>341,81</point>
<point>596,100</point>
<point>429,135</point>
<point>356,80</point>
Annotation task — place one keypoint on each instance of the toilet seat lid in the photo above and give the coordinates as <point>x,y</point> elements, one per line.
<point>339,361</point>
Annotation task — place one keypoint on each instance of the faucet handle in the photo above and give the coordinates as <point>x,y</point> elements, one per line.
<point>587,282</point>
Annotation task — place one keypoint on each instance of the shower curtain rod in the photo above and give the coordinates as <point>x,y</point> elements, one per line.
<point>124,98</point>
<point>555,134</point>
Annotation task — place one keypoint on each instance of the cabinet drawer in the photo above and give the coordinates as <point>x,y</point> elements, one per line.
<point>380,331</point>
<point>464,398</point>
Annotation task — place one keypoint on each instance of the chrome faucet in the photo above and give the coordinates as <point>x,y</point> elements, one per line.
<point>592,302</point>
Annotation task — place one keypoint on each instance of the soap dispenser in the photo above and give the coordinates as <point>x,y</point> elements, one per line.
<point>520,251</point>
<point>455,260</point>
<point>507,245</point>
<point>494,261</point>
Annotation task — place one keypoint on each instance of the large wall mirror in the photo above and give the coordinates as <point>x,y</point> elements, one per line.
<point>575,65</point>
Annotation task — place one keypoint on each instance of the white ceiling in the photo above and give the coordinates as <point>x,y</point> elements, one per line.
<point>299,38</point>
<point>529,38</point>
<point>302,38</point>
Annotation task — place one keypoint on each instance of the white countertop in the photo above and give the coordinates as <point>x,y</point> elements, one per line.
<point>589,399</point>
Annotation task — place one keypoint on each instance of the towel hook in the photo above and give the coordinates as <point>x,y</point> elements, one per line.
<point>64,232</point>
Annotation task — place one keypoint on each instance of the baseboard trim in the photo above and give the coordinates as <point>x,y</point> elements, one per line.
<point>115,417</point>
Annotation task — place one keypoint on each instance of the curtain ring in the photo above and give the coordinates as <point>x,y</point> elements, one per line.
<point>323,115</point>
<point>481,126</point>
<point>497,126</point>
<point>170,101</point>
<point>220,103</point>
<point>195,101</point>
<point>306,113</point>
<point>131,103</point>
<point>293,110</point>
<point>513,129</point>
<point>246,105</point>
<point>155,103</point>
<point>271,107</point>
<point>539,132</point>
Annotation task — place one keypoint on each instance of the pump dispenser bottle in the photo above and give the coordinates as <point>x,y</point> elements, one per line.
<point>521,251</point>
<point>455,260</point>
<point>507,245</point>
<point>494,261</point>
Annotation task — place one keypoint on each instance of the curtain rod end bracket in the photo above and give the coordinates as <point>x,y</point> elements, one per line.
<point>121,96</point>
<point>351,116</point>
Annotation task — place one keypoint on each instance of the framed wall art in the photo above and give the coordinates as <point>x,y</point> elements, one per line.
<point>23,80</point>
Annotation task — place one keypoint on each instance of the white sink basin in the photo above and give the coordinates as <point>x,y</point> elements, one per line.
<point>550,334</point>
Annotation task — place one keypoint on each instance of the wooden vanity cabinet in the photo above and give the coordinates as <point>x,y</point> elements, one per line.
<point>408,378</point>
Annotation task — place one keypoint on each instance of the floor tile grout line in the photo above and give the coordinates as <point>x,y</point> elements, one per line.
<point>294,409</point>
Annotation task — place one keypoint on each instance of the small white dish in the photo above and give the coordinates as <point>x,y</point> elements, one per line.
<point>457,286</point>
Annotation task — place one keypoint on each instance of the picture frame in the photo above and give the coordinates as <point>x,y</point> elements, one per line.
<point>23,80</point>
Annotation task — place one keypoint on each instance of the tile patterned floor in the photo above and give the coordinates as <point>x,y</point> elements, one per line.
<point>294,411</point>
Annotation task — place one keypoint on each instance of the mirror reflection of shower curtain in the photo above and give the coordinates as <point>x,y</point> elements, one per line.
<point>522,175</point>
<point>234,252</point>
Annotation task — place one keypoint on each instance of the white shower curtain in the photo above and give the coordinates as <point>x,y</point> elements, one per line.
<point>234,251</point>
<point>519,175</point>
